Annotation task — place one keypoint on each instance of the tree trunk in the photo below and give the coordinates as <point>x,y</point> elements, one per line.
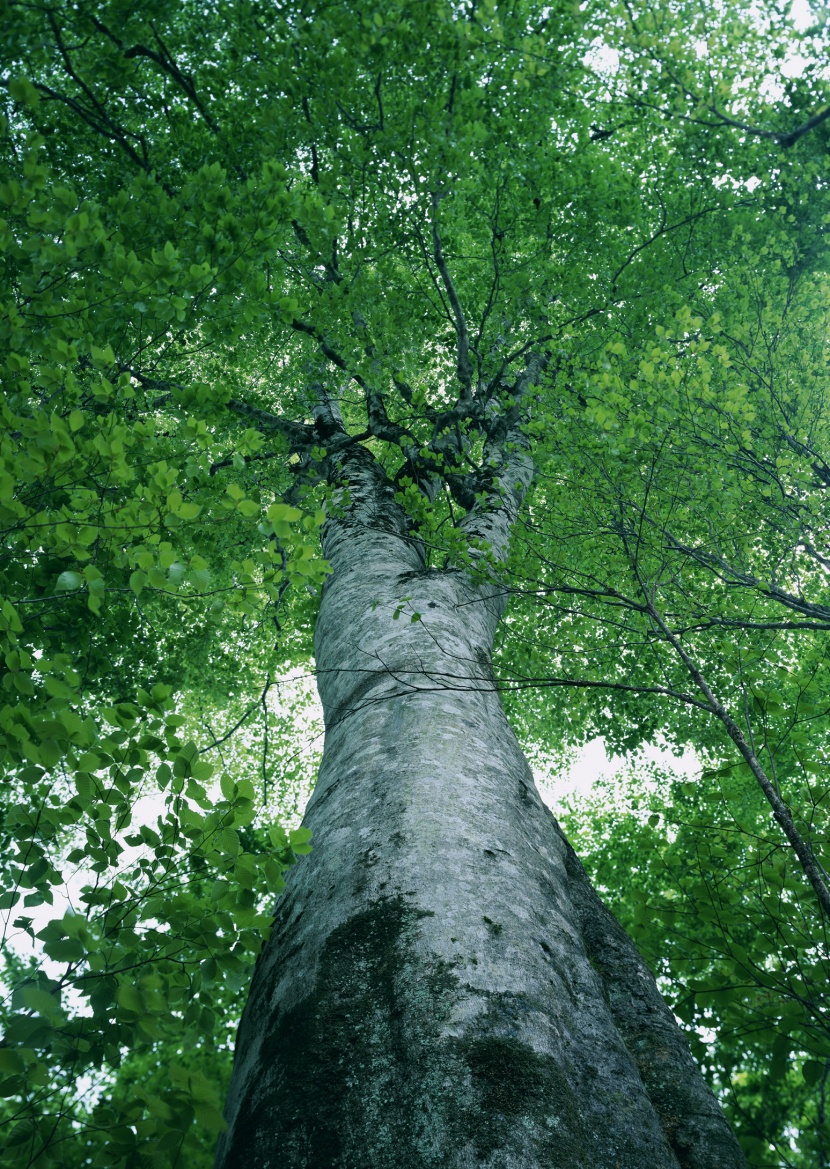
<point>442,986</point>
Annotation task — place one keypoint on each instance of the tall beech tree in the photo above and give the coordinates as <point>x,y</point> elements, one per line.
<point>521,310</point>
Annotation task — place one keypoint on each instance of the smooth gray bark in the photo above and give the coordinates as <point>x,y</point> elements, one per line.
<point>442,986</point>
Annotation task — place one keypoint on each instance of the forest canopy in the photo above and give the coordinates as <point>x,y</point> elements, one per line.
<point>210,211</point>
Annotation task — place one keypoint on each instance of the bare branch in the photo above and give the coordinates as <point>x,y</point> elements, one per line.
<point>783,138</point>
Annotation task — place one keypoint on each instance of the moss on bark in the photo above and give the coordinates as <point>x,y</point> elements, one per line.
<point>371,1073</point>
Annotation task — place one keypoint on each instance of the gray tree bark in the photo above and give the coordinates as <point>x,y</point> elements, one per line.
<point>442,987</point>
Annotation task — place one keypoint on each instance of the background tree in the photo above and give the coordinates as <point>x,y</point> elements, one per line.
<point>251,253</point>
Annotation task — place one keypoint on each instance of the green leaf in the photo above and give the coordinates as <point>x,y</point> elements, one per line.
<point>10,1062</point>
<point>283,513</point>
<point>128,997</point>
<point>812,1071</point>
<point>69,581</point>
<point>23,91</point>
<point>65,950</point>
<point>103,357</point>
<point>41,1001</point>
<point>209,1116</point>
<point>138,580</point>
<point>299,840</point>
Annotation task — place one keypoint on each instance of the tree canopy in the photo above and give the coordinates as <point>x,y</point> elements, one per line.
<point>238,237</point>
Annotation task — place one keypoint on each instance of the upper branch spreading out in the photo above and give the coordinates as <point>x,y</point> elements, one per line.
<point>165,61</point>
<point>507,454</point>
<point>784,138</point>
<point>465,369</point>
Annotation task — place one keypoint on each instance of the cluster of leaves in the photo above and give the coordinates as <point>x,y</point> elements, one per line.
<point>683,504</point>
<point>160,924</point>
<point>160,916</point>
<point>142,587</point>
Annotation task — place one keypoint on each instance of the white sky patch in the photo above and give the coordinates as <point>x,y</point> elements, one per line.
<point>771,89</point>
<point>794,66</point>
<point>594,762</point>
<point>602,58</point>
<point>802,15</point>
<point>737,184</point>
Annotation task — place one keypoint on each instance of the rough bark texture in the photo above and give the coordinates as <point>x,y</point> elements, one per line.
<point>442,987</point>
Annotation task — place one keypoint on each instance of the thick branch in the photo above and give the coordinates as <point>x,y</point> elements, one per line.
<point>332,354</point>
<point>783,138</point>
<point>297,434</point>
<point>522,349</point>
<point>229,461</point>
<point>166,62</point>
<point>492,519</point>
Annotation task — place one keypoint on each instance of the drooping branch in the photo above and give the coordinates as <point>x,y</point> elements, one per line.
<point>665,229</point>
<point>96,117</point>
<point>163,58</point>
<point>424,680</point>
<point>812,869</point>
<point>729,573</point>
<point>99,121</point>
